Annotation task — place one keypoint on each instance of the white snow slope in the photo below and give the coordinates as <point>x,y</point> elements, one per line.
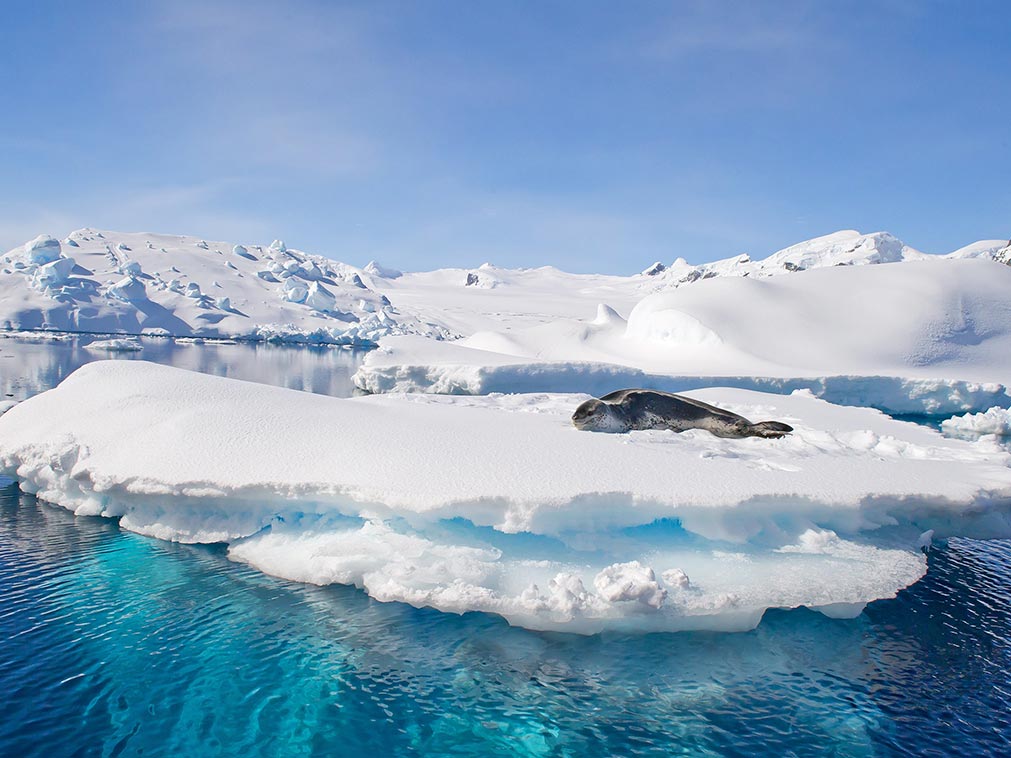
<point>498,504</point>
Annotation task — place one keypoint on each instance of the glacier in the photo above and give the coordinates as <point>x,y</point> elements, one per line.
<point>165,285</point>
<point>919,337</point>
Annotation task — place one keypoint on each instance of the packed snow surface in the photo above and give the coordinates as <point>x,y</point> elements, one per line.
<point>499,504</point>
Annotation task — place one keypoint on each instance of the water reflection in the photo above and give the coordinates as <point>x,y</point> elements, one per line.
<point>32,365</point>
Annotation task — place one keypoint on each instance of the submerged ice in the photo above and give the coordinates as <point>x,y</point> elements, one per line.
<point>498,504</point>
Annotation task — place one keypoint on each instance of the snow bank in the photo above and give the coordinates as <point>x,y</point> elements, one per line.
<point>993,421</point>
<point>498,504</point>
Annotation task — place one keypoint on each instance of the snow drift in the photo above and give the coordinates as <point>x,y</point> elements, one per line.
<point>498,504</point>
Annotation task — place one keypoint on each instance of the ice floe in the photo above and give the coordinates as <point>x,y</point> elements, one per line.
<point>116,345</point>
<point>498,504</point>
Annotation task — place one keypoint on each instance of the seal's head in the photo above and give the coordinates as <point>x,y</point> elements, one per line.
<point>769,429</point>
<point>597,416</point>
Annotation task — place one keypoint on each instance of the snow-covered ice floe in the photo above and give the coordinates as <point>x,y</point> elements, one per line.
<point>116,345</point>
<point>499,504</point>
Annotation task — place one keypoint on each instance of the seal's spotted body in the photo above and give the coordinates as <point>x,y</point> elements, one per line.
<point>628,410</point>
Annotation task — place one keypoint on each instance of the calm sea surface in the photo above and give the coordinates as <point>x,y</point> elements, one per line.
<point>116,644</point>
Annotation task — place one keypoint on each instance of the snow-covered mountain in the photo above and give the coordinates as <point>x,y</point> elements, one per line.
<point>138,283</point>
<point>843,248</point>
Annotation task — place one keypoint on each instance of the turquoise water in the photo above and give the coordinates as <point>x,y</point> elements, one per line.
<point>115,644</point>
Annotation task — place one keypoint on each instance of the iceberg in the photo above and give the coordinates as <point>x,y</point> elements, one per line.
<point>116,345</point>
<point>498,504</point>
<point>139,283</point>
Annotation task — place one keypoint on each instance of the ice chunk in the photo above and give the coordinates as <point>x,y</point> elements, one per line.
<point>676,579</point>
<point>630,582</point>
<point>128,290</point>
<point>995,420</point>
<point>294,290</point>
<point>130,268</point>
<point>41,250</point>
<point>117,345</point>
<point>54,273</point>
<point>320,298</point>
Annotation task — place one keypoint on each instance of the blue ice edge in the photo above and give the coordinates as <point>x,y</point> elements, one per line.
<point>629,579</point>
<point>668,578</point>
<point>904,397</point>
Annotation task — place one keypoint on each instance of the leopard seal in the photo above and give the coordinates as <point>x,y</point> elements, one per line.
<point>633,409</point>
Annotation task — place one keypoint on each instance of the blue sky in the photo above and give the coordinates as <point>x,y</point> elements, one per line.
<point>592,136</point>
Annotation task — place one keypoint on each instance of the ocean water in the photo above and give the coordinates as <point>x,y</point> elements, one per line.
<point>115,644</point>
<point>31,365</point>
